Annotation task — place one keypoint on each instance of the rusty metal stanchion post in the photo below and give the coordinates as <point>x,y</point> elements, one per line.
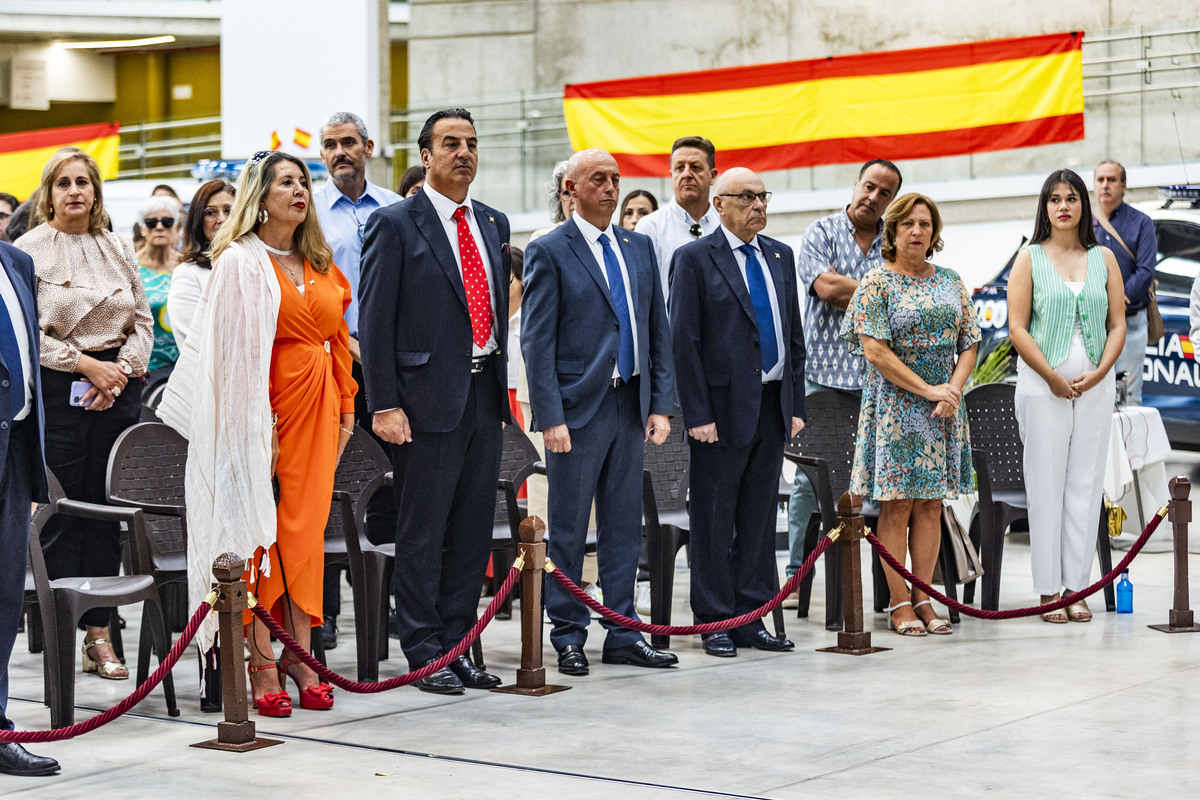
<point>531,676</point>
<point>236,733</point>
<point>1180,618</point>
<point>852,639</point>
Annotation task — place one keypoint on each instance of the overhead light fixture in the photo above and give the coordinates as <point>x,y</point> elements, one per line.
<point>146,42</point>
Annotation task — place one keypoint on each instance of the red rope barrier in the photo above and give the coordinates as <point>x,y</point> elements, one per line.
<point>708,627</point>
<point>402,680</point>
<point>1013,613</point>
<point>139,694</point>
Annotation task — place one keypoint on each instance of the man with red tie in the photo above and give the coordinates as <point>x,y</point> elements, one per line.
<point>432,328</point>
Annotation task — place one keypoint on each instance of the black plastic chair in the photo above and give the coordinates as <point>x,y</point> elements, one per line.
<point>665,514</point>
<point>999,457</point>
<point>62,602</point>
<point>516,465</point>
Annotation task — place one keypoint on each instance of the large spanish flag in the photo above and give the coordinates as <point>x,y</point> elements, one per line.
<point>22,155</point>
<point>902,104</point>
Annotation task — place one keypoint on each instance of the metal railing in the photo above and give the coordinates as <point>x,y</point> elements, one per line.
<point>167,149</point>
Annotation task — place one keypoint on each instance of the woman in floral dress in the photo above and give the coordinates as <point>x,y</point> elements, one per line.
<point>915,325</point>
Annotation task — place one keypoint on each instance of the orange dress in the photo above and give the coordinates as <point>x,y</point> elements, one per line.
<point>310,388</point>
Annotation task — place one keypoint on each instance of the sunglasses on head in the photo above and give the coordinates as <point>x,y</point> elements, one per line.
<point>152,222</point>
<point>695,230</point>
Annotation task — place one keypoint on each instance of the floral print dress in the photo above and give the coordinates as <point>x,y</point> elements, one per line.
<point>902,451</point>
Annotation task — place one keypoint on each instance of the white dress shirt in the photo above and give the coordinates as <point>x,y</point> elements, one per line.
<point>13,305</point>
<point>591,234</point>
<point>445,208</point>
<point>669,229</point>
<point>776,372</point>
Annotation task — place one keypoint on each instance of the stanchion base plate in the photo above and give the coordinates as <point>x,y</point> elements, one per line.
<point>258,744</point>
<point>1168,629</point>
<point>846,651</point>
<point>536,691</point>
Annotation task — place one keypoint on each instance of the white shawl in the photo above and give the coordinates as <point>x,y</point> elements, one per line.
<point>218,398</point>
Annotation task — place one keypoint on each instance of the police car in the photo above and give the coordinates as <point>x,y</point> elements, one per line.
<point>1170,373</point>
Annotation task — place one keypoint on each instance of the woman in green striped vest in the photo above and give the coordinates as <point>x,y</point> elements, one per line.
<point>1066,319</point>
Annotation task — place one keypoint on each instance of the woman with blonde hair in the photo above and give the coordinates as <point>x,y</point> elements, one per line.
<point>263,392</point>
<point>914,323</point>
<point>95,346</point>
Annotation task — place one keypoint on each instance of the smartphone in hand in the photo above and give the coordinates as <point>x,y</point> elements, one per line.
<point>78,390</point>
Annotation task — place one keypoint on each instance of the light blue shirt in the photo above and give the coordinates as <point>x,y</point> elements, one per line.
<point>591,235</point>
<point>343,223</point>
<point>775,373</point>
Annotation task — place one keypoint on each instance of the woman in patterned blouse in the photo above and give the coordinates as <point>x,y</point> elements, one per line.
<point>95,344</point>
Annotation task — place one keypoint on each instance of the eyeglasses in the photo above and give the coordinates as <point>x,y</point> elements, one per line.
<point>212,212</point>
<point>152,222</point>
<point>696,231</point>
<point>750,197</point>
<point>564,193</point>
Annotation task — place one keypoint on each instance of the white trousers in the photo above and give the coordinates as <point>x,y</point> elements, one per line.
<point>1065,446</point>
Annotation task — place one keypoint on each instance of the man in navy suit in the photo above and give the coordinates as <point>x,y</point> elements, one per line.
<point>739,358</point>
<point>597,349</point>
<point>22,472</point>
<point>433,327</point>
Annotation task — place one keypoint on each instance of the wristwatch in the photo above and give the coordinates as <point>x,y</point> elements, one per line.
<point>125,366</point>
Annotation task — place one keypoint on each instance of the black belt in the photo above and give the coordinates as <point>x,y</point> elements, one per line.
<point>618,381</point>
<point>478,363</point>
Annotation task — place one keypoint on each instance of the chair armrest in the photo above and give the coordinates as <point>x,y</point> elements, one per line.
<point>539,467</point>
<point>161,509</point>
<point>817,471</point>
<point>78,508</point>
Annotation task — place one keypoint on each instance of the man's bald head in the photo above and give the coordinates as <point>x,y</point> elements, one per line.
<point>740,201</point>
<point>593,180</point>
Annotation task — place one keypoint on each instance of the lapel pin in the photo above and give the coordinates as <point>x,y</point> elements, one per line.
<point>623,239</point>
<point>491,219</point>
<point>777,255</point>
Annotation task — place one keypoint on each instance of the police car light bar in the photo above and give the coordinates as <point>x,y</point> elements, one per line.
<point>1183,191</point>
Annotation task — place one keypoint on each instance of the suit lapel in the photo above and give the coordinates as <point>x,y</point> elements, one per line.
<point>630,256</point>
<point>491,242</point>
<point>25,301</point>
<point>774,266</point>
<point>430,225</point>
<point>579,247</point>
<point>727,265</point>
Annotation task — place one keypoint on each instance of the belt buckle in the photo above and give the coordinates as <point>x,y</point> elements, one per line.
<point>617,383</point>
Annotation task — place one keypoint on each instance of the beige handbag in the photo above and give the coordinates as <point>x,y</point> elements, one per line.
<point>965,558</point>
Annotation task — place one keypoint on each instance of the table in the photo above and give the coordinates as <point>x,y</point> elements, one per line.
<point>1135,474</point>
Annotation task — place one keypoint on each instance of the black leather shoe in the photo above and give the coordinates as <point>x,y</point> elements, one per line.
<point>471,676</point>
<point>441,682</point>
<point>761,640</point>
<point>16,760</point>
<point>640,654</point>
<point>720,645</point>
<point>329,633</point>
<point>572,661</point>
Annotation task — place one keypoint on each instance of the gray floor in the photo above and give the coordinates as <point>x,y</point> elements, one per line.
<point>1016,708</point>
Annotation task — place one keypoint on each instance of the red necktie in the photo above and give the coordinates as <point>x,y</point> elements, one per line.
<point>479,297</point>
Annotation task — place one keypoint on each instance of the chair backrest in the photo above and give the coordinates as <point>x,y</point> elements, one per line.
<point>667,465</point>
<point>829,434</point>
<point>363,462</point>
<point>516,465</point>
<point>146,470</point>
<point>992,416</point>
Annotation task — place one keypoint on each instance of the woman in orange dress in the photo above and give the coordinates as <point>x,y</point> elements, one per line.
<point>267,394</point>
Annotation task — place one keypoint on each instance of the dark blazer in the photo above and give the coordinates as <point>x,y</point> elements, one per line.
<point>414,327</point>
<point>569,331</point>
<point>19,267</point>
<point>718,360</point>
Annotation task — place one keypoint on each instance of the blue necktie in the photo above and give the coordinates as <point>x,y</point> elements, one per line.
<point>12,359</point>
<point>756,279</point>
<point>616,285</point>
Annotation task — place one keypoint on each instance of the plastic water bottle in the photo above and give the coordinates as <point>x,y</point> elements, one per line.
<point>1124,595</point>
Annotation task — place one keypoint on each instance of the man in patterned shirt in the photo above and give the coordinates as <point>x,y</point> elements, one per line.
<point>835,253</point>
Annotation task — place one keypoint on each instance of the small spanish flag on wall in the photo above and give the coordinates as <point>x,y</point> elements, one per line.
<point>275,140</point>
<point>22,155</point>
<point>902,104</point>
<point>301,137</point>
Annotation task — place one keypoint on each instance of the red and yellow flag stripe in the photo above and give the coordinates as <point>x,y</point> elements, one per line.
<point>903,104</point>
<point>22,155</point>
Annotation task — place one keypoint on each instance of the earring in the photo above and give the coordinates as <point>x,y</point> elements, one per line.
<point>263,216</point>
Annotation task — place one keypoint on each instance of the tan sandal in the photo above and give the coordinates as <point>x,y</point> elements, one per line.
<point>1079,612</point>
<point>910,627</point>
<point>109,670</point>
<point>936,625</point>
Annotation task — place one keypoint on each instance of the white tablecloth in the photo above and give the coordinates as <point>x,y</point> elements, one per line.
<point>1138,445</point>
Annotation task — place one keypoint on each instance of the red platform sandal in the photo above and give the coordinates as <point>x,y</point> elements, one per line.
<point>272,704</point>
<point>313,698</point>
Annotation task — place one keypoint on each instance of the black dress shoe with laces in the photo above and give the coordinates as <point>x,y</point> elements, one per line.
<point>640,654</point>
<point>720,645</point>
<point>441,682</point>
<point>761,640</point>
<point>471,676</point>
<point>572,661</point>
<point>329,633</point>
<point>16,760</point>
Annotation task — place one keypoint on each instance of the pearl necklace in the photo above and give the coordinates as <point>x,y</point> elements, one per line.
<point>278,252</point>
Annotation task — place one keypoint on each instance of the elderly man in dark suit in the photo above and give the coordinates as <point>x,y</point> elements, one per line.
<point>597,350</point>
<point>433,328</point>
<point>739,358</point>
<point>22,472</point>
